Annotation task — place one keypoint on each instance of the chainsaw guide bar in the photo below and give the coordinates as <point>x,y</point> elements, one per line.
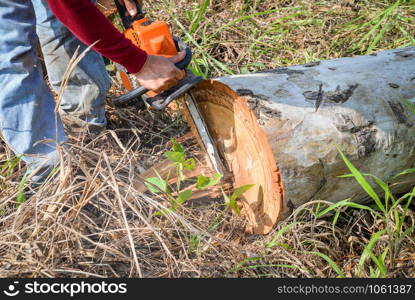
<point>202,130</point>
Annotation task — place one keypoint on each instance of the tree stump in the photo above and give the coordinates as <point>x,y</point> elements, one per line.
<point>278,130</point>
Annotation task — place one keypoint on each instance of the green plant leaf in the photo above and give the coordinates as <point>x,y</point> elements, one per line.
<point>203,182</point>
<point>232,204</point>
<point>231,201</point>
<point>194,243</point>
<point>184,196</point>
<point>332,264</point>
<point>177,147</point>
<point>379,182</point>
<point>156,184</point>
<point>176,157</point>
<point>240,190</point>
<point>199,16</point>
<point>406,232</point>
<point>407,171</point>
<point>217,178</point>
<point>21,195</point>
<point>367,252</point>
<point>241,264</point>
<point>403,215</point>
<point>346,203</point>
<point>164,211</point>
<point>280,233</point>
<point>189,164</point>
<point>380,264</point>
<point>9,165</point>
<point>335,218</point>
<point>362,181</point>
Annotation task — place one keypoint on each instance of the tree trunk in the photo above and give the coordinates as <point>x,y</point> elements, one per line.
<point>278,130</point>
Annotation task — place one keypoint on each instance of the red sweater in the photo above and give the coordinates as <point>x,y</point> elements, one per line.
<point>86,22</point>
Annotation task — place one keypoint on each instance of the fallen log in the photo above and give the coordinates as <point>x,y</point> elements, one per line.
<point>278,129</point>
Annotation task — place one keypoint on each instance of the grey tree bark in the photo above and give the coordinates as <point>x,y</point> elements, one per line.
<point>358,103</point>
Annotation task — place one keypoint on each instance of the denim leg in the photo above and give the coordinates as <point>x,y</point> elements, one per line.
<point>27,118</point>
<point>84,97</point>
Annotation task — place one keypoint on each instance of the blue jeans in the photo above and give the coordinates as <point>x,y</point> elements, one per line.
<point>27,109</point>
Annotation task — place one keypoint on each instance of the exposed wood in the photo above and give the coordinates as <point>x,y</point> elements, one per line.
<point>245,151</point>
<point>278,129</point>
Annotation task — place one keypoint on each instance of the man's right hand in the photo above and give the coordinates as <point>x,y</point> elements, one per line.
<point>131,7</point>
<point>159,73</point>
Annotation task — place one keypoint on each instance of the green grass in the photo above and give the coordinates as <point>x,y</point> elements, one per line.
<point>236,37</point>
<point>242,36</point>
<point>378,252</point>
<point>390,209</point>
<point>389,18</point>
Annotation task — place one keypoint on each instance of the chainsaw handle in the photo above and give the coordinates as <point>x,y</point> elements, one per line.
<point>182,65</point>
<point>126,19</point>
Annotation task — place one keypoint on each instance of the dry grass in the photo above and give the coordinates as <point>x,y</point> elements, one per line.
<point>90,221</point>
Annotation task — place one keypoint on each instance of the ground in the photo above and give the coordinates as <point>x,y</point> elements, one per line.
<point>90,221</point>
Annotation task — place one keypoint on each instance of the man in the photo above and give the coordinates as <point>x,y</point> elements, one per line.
<point>27,111</point>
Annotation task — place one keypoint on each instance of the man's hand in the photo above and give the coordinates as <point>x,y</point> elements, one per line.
<point>160,73</point>
<point>130,6</point>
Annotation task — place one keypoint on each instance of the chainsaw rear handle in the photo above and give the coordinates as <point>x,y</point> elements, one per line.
<point>182,65</point>
<point>126,19</point>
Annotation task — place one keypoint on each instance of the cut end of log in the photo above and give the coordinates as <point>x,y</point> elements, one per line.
<point>245,152</point>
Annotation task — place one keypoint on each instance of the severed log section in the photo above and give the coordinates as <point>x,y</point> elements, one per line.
<point>278,129</point>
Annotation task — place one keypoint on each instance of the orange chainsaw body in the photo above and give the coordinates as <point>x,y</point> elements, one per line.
<point>155,38</point>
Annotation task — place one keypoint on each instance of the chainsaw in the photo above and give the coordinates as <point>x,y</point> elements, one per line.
<point>156,39</point>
